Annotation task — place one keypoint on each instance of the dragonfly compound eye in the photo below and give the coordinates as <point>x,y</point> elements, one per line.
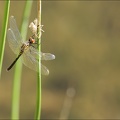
<point>31,40</point>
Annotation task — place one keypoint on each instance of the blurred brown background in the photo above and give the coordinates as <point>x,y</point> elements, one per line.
<point>85,38</point>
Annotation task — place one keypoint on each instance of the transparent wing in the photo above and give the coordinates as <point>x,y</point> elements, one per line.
<point>44,56</point>
<point>29,58</point>
<point>13,43</point>
<point>47,56</point>
<point>44,70</point>
<point>14,28</point>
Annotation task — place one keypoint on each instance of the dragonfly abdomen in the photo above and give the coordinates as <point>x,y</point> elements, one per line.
<point>14,61</point>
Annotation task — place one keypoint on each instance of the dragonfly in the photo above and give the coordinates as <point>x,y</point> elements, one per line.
<point>25,49</point>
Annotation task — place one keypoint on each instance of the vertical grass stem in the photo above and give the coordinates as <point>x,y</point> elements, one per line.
<point>38,106</point>
<point>4,29</point>
<point>18,67</point>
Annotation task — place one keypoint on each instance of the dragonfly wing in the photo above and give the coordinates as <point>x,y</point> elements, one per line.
<point>30,59</point>
<point>44,56</point>
<point>13,43</point>
<point>14,28</point>
<point>47,56</point>
<point>44,70</point>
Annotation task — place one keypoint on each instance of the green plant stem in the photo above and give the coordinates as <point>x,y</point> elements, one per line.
<point>38,106</point>
<point>18,67</point>
<point>4,29</point>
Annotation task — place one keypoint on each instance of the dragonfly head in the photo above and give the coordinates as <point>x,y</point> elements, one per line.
<point>31,40</point>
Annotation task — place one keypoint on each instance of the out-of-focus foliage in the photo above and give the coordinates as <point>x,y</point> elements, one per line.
<point>84,36</point>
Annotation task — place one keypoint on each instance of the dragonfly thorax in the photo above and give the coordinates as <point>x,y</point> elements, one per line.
<point>24,47</point>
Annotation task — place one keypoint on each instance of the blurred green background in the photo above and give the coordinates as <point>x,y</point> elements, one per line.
<point>85,38</point>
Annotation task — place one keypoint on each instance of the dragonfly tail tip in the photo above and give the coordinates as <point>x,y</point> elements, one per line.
<point>7,70</point>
